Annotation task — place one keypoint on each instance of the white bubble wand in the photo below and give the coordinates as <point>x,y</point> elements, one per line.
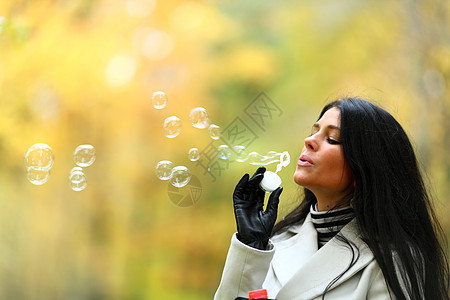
<point>271,180</point>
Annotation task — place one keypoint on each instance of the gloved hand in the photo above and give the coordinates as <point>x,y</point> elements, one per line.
<point>254,225</point>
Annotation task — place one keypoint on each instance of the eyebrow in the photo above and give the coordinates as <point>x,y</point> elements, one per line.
<point>316,125</point>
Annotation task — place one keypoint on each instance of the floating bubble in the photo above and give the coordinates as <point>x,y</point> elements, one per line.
<point>39,156</point>
<point>76,169</point>
<point>172,127</point>
<point>214,131</point>
<point>180,176</point>
<point>254,158</point>
<point>271,157</point>
<point>38,176</point>
<point>241,153</point>
<point>164,169</point>
<point>84,155</point>
<point>224,152</point>
<point>194,154</point>
<point>77,176</point>
<point>199,118</point>
<point>159,100</point>
<point>77,180</point>
<point>272,153</point>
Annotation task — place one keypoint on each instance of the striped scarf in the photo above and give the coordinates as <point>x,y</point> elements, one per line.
<point>329,223</point>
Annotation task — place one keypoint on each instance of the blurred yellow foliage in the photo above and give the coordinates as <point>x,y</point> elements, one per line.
<point>83,72</point>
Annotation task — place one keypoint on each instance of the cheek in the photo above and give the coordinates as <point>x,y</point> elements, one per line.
<point>340,172</point>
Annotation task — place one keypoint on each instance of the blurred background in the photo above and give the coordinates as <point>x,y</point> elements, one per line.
<point>78,72</point>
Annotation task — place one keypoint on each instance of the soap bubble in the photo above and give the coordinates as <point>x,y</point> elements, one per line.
<point>77,180</point>
<point>38,176</point>
<point>241,153</point>
<point>194,154</point>
<point>188,195</point>
<point>224,152</point>
<point>214,131</point>
<point>172,127</point>
<point>159,100</point>
<point>199,118</point>
<point>271,157</point>
<point>39,156</point>
<point>76,169</point>
<point>180,176</point>
<point>254,158</point>
<point>164,169</point>
<point>273,153</point>
<point>84,155</point>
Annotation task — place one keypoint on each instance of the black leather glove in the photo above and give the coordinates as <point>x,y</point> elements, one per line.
<point>254,225</point>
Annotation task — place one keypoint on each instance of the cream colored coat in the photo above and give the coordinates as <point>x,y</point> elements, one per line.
<point>295,269</point>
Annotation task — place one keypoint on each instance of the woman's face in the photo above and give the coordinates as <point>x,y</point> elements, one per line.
<point>321,167</point>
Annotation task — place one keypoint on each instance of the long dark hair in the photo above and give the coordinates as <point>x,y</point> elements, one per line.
<point>392,207</point>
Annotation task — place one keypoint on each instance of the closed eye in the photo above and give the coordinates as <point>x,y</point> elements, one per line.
<point>333,142</point>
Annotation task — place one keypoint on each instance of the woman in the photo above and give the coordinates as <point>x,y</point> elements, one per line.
<point>364,230</point>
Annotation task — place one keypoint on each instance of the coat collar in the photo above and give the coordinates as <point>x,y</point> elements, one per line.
<point>317,268</point>
<point>294,252</point>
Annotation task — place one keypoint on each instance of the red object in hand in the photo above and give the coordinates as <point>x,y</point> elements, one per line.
<point>258,294</point>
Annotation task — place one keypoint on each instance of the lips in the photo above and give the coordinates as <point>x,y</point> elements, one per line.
<point>305,161</point>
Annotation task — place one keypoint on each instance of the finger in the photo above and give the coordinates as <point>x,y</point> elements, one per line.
<point>257,176</point>
<point>255,180</point>
<point>260,170</point>
<point>274,200</point>
<point>259,198</point>
<point>243,180</point>
<point>240,186</point>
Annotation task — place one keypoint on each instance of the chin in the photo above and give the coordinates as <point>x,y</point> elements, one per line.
<point>299,179</point>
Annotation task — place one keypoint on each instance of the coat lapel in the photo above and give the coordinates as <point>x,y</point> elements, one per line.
<point>293,253</point>
<point>312,278</point>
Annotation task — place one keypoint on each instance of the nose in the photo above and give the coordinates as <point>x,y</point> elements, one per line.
<point>311,143</point>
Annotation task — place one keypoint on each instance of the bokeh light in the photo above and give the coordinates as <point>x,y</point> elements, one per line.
<point>153,44</point>
<point>140,8</point>
<point>120,70</point>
